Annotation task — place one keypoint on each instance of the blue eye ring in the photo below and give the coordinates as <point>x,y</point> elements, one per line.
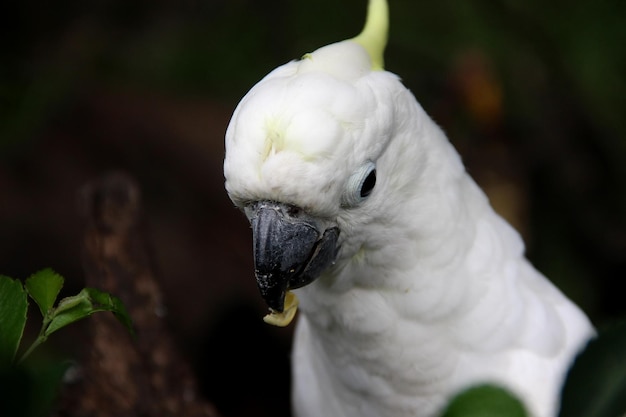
<point>360,185</point>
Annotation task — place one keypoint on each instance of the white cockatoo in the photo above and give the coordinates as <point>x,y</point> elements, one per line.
<point>410,287</point>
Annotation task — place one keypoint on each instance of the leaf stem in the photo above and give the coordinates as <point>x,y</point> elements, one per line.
<point>41,337</point>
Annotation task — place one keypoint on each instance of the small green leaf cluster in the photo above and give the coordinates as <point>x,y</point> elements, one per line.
<point>43,288</point>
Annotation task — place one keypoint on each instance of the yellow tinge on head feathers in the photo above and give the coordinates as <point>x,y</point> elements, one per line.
<point>373,37</point>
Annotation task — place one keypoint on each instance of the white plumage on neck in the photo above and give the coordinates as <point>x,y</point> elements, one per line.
<point>432,295</point>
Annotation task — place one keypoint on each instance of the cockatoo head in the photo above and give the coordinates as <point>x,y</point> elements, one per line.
<point>303,150</point>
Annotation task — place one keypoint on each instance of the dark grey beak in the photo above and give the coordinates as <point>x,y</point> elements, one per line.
<point>291,249</point>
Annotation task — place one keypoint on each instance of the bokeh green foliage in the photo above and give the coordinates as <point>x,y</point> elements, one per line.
<point>485,401</point>
<point>220,48</point>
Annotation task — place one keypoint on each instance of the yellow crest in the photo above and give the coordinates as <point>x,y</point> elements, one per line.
<point>373,37</point>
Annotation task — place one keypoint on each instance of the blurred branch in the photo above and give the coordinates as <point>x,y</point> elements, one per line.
<point>122,376</point>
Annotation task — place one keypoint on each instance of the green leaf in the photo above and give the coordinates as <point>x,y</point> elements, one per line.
<point>86,303</point>
<point>13,308</point>
<point>485,401</point>
<point>108,302</point>
<point>44,287</point>
<point>68,311</point>
<point>596,383</point>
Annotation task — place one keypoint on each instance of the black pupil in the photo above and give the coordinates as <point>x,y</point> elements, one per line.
<point>368,184</point>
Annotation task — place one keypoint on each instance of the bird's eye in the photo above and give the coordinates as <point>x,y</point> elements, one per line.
<point>368,184</point>
<point>360,185</point>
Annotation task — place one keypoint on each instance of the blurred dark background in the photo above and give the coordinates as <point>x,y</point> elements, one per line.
<point>532,95</point>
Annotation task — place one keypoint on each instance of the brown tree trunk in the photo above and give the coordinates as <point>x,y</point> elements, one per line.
<point>123,375</point>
